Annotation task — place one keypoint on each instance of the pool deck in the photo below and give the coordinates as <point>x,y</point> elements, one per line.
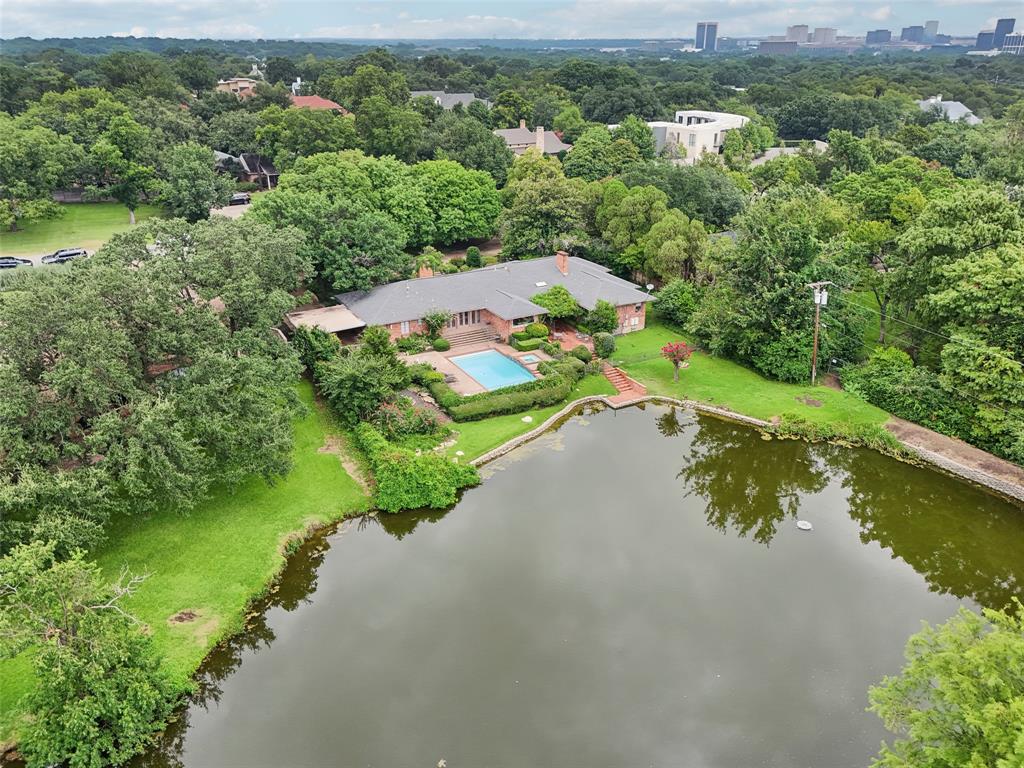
<point>465,384</point>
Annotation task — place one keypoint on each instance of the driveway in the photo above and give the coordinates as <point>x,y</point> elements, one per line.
<point>230,211</point>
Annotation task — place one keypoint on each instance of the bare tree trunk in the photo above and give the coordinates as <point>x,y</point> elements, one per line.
<point>675,375</point>
<point>131,216</point>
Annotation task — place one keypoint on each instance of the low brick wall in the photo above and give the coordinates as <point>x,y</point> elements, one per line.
<point>938,461</point>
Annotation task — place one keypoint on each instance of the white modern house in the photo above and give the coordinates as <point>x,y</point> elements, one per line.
<point>695,130</point>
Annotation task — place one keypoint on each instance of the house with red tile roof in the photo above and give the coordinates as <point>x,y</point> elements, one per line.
<point>317,102</point>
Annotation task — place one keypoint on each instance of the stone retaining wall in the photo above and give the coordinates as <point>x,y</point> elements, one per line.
<point>943,463</point>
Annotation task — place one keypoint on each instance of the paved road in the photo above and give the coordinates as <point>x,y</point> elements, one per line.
<point>230,211</point>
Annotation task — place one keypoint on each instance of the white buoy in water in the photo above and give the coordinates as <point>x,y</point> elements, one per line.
<point>804,525</point>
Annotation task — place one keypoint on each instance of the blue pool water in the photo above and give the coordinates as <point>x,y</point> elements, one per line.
<point>492,369</point>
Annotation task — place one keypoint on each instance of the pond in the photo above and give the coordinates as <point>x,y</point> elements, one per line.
<point>631,589</point>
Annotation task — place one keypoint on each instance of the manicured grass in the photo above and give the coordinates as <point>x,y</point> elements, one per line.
<point>83,225</point>
<point>216,559</point>
<point>729,385</point>
<point>477,437</point>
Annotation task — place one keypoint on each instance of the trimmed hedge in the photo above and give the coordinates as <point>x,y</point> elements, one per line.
<point>406,480</point>
<point>441,345</point>
<point>537,330</point>
<point>521,397</point>
<point>570,367</point>
<point>581,352</point>
<point>527,345</point>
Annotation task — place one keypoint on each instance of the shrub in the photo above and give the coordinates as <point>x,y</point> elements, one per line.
<point>406,480</point>
<point>518,336</point>
<point>412,344</point>
<point>603,318</point>
<point>890,380</point>
<point>571,368</point>
<point>868,435</point>
<point>537,330</point>
<point>595,366</point>
<point>527,345</point>
<point>553,350</point>
<point>441,345</point>
<point>435,321</point>
<point>247,186</point>
<point>424,374</point>
<point>604,344</point>
<point>473,257</point>
<point>356,385</point>
<point>403,418</point>
<point>314,345</point>
<point>457,263</point>
<point>677,301</point>
<point>582,353</point>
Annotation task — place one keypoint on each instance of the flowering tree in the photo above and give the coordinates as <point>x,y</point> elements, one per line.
<point>677,352</point>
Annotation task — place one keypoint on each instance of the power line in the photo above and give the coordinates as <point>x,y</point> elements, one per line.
<point>964,342</point>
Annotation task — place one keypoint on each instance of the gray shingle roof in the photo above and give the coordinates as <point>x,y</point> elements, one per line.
<point>449,100</point>
<point>504,289</point>
<point>953,110</point>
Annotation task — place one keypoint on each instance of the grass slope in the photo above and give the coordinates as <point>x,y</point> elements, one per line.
<point>216,559</point>
<point>83,225</point>
<point>477,437</point>
<point>729,385</point>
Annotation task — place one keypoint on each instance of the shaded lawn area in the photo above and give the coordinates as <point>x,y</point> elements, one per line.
<point>729,385</point>
<point>83,225</point>
<point>477,437</point>
<point>216,559</point>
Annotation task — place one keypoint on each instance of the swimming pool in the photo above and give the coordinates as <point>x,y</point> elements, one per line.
<point>492,369</point>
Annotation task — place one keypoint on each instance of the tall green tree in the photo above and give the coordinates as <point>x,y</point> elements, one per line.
<point>101,691</point>
<point>34,161</point>
<point>959,700</point>
<point>464,203</point>
<point>190,186</point>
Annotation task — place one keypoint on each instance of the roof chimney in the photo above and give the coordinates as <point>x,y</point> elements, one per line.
<point>522,123</point>
<point>540,139</point>
<point>562,262</point>
<point>425,271</point>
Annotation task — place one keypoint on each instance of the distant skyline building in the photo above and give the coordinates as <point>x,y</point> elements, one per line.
<point>914,34</point>
<point>878,36</point>
<point>985,41</point>
<point>707,36</point>
<point>1014,43</point>
<point>1003,28</point>
<point>824,35</point>
<point>798,33</point>
<point>931,31</point>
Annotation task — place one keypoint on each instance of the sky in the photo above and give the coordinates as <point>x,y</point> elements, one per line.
<point>386,19</point>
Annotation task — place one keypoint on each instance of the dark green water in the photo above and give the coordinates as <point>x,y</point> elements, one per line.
<point>629,591</point>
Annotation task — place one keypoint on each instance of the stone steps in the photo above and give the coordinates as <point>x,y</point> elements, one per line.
<point>622,382</point>
<point>471,336</point>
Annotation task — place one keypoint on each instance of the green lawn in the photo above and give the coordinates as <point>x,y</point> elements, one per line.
<point>477,437</point>
<point>216,559</point>
<point>729,385</point>
<point>83,225</point>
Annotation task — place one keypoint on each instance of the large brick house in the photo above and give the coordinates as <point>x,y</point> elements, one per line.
<point>495,299</point>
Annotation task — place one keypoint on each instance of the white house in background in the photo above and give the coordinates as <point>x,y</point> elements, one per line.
<point>695,130</point>
<point>450,100</point>
<point>954,111</point>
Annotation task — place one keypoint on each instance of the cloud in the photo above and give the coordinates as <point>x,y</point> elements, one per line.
<point>882,13</point>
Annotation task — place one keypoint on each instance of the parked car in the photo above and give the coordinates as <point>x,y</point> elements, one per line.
<point>240,198</point>
<point>10,262</point>
<point>64,255</point>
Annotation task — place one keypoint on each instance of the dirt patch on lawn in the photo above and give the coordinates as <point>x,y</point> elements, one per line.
<point>183,617</point>
<point>808,400</point>
<point>337,445</point>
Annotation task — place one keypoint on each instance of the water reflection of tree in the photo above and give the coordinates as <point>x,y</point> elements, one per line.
<point>962,541</point>
<point>297,583</point>
<point>401,524</point>
<point>748,486</point>
<point>669,423</point>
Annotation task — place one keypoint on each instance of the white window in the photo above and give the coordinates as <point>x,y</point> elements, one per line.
<point>693,140</point>
<point>405,327</point>
<point>634,321</point>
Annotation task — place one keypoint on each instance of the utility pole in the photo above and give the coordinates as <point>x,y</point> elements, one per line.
<point>820,300</point>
